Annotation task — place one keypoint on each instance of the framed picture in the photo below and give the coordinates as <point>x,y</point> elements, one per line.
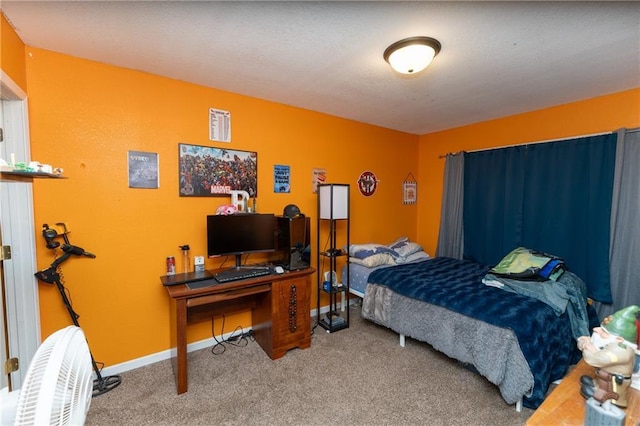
<point>205,171</point>
<point>219,125</point>
<point>409,190</point>
<point>143,170</point>
<point>410,193</point>
<point>318,177</point>
<point>281,178</point>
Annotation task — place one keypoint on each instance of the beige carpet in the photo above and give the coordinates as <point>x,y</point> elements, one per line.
<point>357,376</point>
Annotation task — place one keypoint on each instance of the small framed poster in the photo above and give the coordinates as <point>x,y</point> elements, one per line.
<point>281,179</point>
<point>219,125</point>
<point>409,190</point>
<point>143,170</point>
<point>318,177</point>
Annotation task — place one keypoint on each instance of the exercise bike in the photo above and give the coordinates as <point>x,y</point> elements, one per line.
<point>52,275</point>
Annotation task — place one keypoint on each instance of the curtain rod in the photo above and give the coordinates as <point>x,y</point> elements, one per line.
<point>637,129</point>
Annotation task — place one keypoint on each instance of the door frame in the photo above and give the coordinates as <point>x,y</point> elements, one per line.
<point>22,312</point>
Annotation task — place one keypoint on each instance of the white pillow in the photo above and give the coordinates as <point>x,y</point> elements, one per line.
<point>374,260</point>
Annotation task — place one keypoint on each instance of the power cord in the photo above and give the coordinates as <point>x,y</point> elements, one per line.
<point>237,338</point>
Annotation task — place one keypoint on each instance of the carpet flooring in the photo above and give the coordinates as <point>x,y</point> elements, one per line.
<point>356,376</point>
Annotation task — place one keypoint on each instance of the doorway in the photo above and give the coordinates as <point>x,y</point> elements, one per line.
<point>20,335</point>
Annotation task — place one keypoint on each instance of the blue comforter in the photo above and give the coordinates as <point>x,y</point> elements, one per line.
<point>545,338</point>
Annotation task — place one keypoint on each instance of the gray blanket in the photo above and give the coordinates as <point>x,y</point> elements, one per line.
<point>568,293</point>
<point>493,351</point>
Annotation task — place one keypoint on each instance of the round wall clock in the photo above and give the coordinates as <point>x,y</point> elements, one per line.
<point>367,183</point>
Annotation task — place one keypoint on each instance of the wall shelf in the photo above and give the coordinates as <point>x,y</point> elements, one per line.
<point>20,176</point>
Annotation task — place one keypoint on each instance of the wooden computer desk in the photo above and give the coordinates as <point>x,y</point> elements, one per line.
<point>280,306</point>
<point>565,406</point>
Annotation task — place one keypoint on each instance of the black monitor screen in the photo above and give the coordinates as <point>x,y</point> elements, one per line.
<point>239,234</point>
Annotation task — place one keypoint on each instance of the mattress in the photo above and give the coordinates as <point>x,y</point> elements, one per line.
<point>358,277</point>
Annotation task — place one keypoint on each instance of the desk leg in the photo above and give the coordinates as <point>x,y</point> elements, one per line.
<point>181,343</point>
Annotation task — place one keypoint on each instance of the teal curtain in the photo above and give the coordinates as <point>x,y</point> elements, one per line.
<point>492,210</point>
<point>554,197</point>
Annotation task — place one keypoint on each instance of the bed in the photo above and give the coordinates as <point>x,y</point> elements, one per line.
<point>517,342</point>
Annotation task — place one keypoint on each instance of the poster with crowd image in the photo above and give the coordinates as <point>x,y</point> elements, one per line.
<point>206,171</point>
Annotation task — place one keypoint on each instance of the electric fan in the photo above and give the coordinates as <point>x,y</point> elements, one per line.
<point>58,385</point>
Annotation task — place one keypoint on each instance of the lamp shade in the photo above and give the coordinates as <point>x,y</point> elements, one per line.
<point>333,199</point>
<point>412,55</point>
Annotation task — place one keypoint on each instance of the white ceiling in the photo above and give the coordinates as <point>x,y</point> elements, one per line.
<point>497,58</point>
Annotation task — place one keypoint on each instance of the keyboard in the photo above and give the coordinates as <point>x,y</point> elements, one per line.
<point>240,274</point>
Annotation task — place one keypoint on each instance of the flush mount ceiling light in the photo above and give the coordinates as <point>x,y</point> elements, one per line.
<point>412,55</point>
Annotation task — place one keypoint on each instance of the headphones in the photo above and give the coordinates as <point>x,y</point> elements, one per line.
<point>291,211</point>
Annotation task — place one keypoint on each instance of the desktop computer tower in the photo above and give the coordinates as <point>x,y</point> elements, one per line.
<point>293,246</point>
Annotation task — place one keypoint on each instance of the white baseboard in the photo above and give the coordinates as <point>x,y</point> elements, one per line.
<point>164,355</point>
<point>116,369</point>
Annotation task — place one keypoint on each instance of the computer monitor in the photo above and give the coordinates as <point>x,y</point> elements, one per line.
<point>240,233</point>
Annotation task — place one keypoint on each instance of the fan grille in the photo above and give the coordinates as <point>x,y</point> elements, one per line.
<point>58,385</point>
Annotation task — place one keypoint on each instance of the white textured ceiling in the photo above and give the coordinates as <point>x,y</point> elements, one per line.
<point>497,58</point>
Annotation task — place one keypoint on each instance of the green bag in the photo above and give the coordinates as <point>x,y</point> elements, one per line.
<point>531,265</point>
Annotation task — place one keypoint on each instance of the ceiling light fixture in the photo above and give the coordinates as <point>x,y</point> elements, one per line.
<point>412,55</point>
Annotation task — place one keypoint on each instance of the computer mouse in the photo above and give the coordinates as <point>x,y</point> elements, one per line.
<point>278,270</point>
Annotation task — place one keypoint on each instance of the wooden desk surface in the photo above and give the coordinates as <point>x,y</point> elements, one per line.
<point>565,406</point>
<point>181,291</point>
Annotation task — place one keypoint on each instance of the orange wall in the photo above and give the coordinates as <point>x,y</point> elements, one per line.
<point>597,115</point>
<point>12,54</point>
<point>85,116</point>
